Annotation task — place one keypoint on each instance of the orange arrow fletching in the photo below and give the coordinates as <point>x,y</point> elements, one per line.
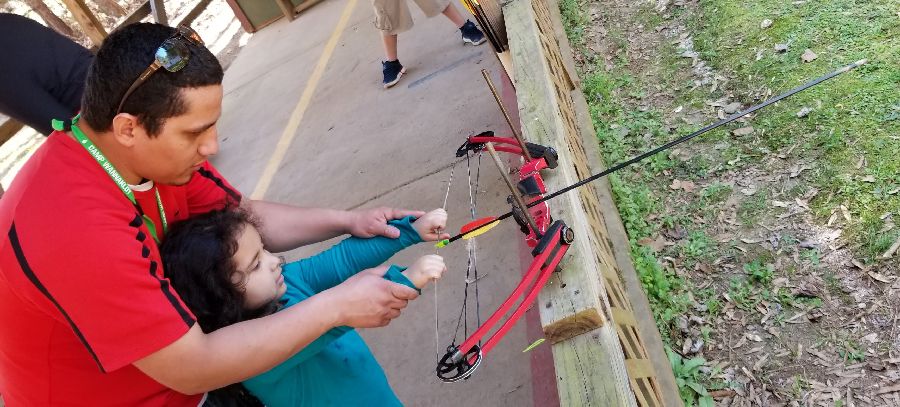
<point>478,227</point>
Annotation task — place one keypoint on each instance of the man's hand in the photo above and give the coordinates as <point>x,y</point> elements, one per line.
<point>367,300</point>
<point>428,268</point>
<point>368,223</point>
<point>431,225</point>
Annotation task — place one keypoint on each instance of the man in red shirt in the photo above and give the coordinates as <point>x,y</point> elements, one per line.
<point>88,315</point>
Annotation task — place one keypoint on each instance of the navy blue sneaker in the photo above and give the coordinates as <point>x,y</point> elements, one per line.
<point>471,33</point>
<point>392,71</point>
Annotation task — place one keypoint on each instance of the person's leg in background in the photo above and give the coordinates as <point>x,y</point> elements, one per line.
<point>393,17</point>
<point>470,33</point>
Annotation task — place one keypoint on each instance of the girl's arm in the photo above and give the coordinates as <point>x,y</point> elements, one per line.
<point>352,255</point>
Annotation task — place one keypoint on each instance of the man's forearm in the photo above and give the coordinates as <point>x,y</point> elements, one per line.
<point>286,227</point>
<point>200,362</point>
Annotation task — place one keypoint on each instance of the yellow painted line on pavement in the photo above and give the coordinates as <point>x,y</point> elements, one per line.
<point>297,116</point>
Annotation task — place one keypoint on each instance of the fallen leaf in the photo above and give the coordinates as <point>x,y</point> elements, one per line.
<point>720,394</point>
<point>780,204</point>
<point>872,337</point>
<point>880,277</point>
<point>688,186</point>
<point>893,249</point>
<point>743,131</point>
<point>889,389</point>
<point>750,190</point>
<point>676,184</point>
<point>868,178</point>
<point>765,24</point>
<point>846,213</point>
<point>797,169</point>
<point>732,107</point>
<point>808,56</point>
<point>654,244</point>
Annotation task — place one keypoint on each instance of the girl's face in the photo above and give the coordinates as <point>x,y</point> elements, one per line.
<point>258,271</point>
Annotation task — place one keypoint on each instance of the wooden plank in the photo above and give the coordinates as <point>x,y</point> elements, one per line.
<point>305,5</point>
<point>640,307</point>
<point>573,312</point>
<point>87,20</point>
<point>547,88</point>
<point>581,292</point>
<point>287,8</point>
<point>586,374</point>
<point>8,129</point>
<point>158,11</point>
<point>138,14</point>
<point>195,12</point>
<point>639,368</point>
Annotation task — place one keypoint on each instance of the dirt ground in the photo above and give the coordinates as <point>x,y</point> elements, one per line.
<point>777,303</point>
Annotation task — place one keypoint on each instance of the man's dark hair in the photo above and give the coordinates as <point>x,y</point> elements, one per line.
<point>122,57</point>
<point>197,258</point>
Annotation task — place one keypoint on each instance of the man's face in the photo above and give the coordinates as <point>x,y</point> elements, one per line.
<point>185,141</point>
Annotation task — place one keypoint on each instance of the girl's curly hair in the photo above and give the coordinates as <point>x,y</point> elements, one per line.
<point>197,258</point>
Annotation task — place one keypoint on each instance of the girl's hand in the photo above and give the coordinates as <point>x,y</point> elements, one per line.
<point>427,268</point>
<point>431,225</point>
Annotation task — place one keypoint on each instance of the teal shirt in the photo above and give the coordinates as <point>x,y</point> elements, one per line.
<point>337,369</point>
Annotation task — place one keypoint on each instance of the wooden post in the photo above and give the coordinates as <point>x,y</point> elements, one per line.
<point>195,12</point>
<point>599,354</point>
<point>158,11</point>
<point>87,20</point>
<point>287,8</point>
<point>138,14</point>
<point>8,129</point>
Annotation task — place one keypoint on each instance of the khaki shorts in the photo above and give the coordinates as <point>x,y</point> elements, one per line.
<point>393,16</point>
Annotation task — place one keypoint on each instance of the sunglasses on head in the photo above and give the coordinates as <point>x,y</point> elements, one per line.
<point>173,54</point>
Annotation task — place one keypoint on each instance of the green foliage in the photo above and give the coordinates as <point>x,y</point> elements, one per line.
<point>759,272</point>
<point>689,379</point>
<point>855,115</point>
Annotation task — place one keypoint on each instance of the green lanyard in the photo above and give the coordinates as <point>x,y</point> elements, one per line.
<point>120,182</point>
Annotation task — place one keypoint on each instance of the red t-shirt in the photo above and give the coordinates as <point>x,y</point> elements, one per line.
<point>82,291</point>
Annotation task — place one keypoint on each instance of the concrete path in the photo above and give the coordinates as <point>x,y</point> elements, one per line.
<point>334,137</point>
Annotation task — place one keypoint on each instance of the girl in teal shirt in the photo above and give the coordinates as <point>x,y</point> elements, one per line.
<point>219,267</point>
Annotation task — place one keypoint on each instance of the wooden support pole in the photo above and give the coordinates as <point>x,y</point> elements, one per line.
<point>8,129</point>
<point>138,14</point>
<point>287,8</point>
<point>87,20</point>
<point>158,11</point>
<point>194,13</point>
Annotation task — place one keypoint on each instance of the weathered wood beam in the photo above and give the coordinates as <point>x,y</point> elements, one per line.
<point>158,11</point>
<point>194,13</point>
<point>87,20</point>
<point>138,14</point>
<point>574,312</point>
<point>641,317</point>
<point>305,5</point>
<point>8,129</point>
<point>588,312</point>
<point>287,8</point>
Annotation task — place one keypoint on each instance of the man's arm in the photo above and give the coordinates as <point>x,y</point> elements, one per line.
<point>199,362</point>
<point>286,227</point>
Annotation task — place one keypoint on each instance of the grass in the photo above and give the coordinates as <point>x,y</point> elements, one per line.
<point>853,116</point>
